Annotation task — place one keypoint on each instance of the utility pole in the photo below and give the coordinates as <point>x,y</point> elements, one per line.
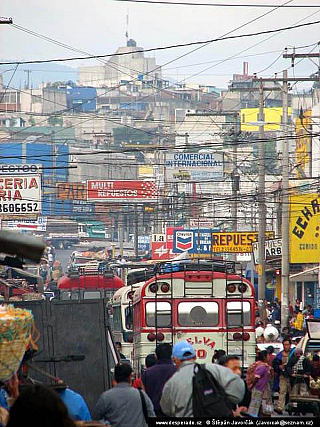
<point>262,205</point>
<point>285,263</point>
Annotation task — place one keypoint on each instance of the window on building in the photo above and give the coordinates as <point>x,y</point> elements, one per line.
<point>198,314</point>
<point>163,311</point>
<point>238,313</point>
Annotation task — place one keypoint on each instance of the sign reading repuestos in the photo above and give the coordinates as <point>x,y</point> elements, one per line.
<point>122,191</point>
<point>20,194</point>
<point>236,242</point>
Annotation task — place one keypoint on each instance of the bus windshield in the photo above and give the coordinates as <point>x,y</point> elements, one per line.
<point>198,313</point>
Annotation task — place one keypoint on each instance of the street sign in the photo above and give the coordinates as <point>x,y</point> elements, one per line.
<point>20,194</point>
<point>272,250</point>
<point>39,224</point>
<point>193,241</point>
<point>201,223</point>
<point>232,242</point>
<point>122,191</point>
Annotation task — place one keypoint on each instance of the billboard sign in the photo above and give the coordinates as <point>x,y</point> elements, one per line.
<point>160,251</point>
<point>194,166</point>
<point>194,241</point>
<point>122,191</point>
<point>20,194</point>
<point>158,238</point>
<point>169,236</point>
<point>236,242</point>
<point>23,169</point>
<point>82,207</point>
<point>39,224</point>
<point>272,249</point>
<point>143,243</point>
<point>71,191</point>
<point>303,128</point>
<point>305,229</point>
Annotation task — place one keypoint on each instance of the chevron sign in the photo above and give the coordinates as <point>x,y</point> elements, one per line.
<point>183,241</point>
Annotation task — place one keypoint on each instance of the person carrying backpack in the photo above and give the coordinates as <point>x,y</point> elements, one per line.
<point>197,390</point>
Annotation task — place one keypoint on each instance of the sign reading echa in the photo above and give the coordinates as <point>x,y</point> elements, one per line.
<point>305,228</point>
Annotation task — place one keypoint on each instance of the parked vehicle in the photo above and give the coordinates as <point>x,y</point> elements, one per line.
<point>88,282</point>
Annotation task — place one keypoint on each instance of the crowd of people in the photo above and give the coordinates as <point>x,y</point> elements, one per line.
<point>168,388</point>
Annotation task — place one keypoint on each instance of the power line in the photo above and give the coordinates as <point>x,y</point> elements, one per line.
<point>241,5</point>
<point>204,42</point>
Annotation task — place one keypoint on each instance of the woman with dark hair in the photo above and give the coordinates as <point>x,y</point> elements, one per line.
<point>39,406</point>
<point>260,390</point>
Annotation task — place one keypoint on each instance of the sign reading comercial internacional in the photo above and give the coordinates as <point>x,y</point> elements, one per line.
<point>234,242</point>
<point>195,166</point>
<point>305,229</point>
<point>20,190</point>
<point>122,191</point>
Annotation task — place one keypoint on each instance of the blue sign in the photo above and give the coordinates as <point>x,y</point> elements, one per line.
<point>143,243</point>
<point>193,241</point>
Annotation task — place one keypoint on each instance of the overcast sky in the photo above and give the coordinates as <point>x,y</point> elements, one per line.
<point>99,26</point>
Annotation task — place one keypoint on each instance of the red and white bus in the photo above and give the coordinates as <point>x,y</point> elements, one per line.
<point>203,302</point>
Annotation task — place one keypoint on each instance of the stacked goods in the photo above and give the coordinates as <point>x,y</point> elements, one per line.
<point>15,335</point>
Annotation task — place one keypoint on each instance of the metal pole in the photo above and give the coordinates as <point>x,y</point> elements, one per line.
<point>262,206</point>
<point>235,182</point>
<point>136,231</point>
<point>121,233</point>
<point>285,208</point>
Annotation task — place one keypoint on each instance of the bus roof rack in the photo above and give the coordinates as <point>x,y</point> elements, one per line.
<point>228,267</point>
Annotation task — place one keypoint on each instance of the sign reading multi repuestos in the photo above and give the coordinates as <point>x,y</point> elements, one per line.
<point>198,166</point>
<point>20,194</point>
<point>305,228</point>
<point>234,242</point>
<point>122,191</point>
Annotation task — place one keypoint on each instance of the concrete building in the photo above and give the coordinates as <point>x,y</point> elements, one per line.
<point>128,64</point>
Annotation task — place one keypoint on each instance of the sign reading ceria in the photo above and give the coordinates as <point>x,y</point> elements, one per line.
<point>10,187</point>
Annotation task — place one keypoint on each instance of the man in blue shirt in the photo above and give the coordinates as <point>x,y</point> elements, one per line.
<point>75,404</point>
